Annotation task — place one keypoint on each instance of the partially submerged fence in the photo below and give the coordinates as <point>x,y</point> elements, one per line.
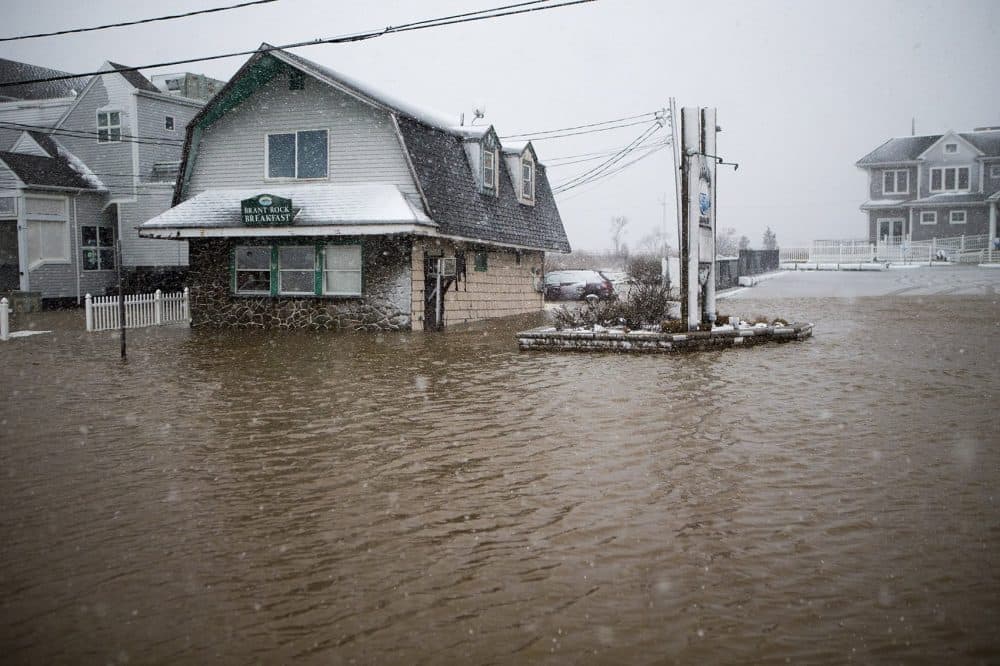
<point>140,310</point>
<point>966,249</point>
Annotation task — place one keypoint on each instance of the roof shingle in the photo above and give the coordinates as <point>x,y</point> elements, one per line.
<point>44,171</point>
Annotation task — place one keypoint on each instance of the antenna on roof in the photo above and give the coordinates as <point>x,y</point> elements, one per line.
<point>913,126</point>
<point>479,111</point>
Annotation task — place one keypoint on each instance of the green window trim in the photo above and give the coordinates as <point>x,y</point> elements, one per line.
<point>482,261</point>
<point>274,269</point>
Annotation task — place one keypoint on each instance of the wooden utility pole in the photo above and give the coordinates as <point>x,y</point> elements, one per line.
<point>121,294</point>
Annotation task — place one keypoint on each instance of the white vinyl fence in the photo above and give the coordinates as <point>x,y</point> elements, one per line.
<point>140,310</point>
<point>963,249</point>
<point>4,319</point>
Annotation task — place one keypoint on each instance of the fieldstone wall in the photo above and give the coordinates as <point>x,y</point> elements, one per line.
<point>648,342</point>
<point>384,306</point>
<point>509,285</point>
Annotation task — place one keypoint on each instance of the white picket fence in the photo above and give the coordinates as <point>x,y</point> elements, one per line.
<point>964,249</point>
<point>140,310</point>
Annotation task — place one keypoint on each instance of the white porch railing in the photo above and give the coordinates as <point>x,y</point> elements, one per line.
<point>140,310</point>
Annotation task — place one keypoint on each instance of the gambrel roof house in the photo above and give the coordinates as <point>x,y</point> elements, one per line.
<point>944,185</point>
<point>80,171</point>
<point>313,199</point>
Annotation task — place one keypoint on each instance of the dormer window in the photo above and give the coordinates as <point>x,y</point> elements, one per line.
<point>951,148</point>
<point>109,126</point>
<point>527,179</point>
<point>296,80</point>
<point>489,169</point>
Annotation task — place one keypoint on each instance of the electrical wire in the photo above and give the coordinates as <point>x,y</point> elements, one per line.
<point>137,22</point>
<point>496,12</point>
<point>635,143</point>
<point>89,134</point>
<point>566,129</point>
<point>588,131</point>
<point>599,156</point>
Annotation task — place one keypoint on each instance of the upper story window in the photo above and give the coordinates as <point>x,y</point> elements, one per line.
<point>168,123</point>
<point>296,80</point>
<point>995,171</point>
<point>109,126</point>
<point>949,179</point>
<point>489,169</point>
<point>951,148</point>
<point>527,179</point>
<point>297,154</point>
<point>896,181</point>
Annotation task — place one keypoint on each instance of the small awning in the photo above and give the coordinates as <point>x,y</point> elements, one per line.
<point>321,210</point>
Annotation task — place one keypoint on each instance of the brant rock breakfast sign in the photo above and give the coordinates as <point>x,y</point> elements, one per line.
<point>266,210</point>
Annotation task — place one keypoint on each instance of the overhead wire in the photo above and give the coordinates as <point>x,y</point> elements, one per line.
<point>136,22</point>
<point>635,143</point>
<point>89,134</point>
<point>469,17</point>
<point>576,127</point>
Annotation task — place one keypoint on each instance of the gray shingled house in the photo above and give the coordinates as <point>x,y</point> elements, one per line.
<point>924,187</point>
<point>80,171</point>
<point>310,199</point>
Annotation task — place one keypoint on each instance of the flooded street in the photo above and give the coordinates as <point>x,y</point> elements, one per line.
<point>442,498</point>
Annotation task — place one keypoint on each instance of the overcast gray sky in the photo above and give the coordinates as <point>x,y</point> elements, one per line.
<point>803,89</point>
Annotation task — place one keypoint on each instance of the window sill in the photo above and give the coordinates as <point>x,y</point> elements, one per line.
<point>291,179</point>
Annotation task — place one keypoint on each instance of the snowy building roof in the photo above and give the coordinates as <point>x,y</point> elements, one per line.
<point>11,70</point>
<point>318,205</point>
<point>42,171</point>
<point>909,148</point>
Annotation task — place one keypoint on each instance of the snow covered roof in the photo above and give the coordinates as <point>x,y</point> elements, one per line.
<point>885,203</point>
<point>39,171</point>
<point>949,198</point>
<point>321,205</point>
<point>909,148</point>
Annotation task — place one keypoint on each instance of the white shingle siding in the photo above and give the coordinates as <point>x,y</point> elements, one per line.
<point>110,92</point>
<point>362,143</point>
<point>152,113</point>
<point>136,251</point>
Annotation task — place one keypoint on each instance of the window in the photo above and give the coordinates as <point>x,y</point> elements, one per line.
<point>109,126</point>
<point>297,155</point>
<point>951,147</point>
<point>296,80</point>
<point>928,217</point>
<point>98,248</point>
<point>949,179</point>
<point>957,217</point>
<point>168,123</point>
<point>342,270</point>
<point>296,270</point>
<point>253,269</point>
<point>489,169</point>
<point>995,171</point>
<point>528,179</point>
<point>8,206</point>
<point>48,242</point>
<point>896,181</point>
<point>481,261</point>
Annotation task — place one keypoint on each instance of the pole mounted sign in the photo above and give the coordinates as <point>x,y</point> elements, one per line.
<point>265,210</point>
<point>697,197</point>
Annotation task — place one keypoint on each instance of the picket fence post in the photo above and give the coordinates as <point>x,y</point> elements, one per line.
<point>88,300</point>
<point>4,319</point>
<point>187,305</point>
<point>158,307</point>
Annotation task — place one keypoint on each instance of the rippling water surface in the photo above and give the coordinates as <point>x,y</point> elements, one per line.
<point>318,498</point>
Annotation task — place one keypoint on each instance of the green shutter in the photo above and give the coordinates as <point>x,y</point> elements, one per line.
<point>275,277</point>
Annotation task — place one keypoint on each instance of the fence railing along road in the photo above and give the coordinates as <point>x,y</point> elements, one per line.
<point>141,310</point>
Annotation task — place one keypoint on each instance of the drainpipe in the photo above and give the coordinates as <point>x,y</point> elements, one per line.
<point>22,242</point>
<point>993,227</point>
<point>76,248</point>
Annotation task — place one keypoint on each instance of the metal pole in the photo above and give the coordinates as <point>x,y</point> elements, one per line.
<point>121,294</point>
<point>675,141</point>
<point>708,139</point>
<point>437,320</point>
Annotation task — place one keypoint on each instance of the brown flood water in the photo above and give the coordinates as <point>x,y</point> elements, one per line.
<point>423,499</point>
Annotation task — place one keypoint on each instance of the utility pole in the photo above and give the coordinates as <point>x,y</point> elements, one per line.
<point>121,294</point>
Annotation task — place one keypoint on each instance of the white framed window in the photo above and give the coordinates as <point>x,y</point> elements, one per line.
<point>995,171</point>
<point>8,206</point>
<point>949,179</point>
<point>956,217</point>
<point>98,244</point>
<point>527,179</point>
<point>951,148</point>
<point>109,126</point>
<point>302,154</point>
<point>342,270</point>
<point>489,168</point>
<point>48,242</point>
<point>297,269</point>
<point>896,181</point>
<point>168,123</point>
<point>928,217</point>
<point>252,267</point>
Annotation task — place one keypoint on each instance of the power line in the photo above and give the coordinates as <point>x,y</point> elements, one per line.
<point>616,171</point>
<point>137,22</point>
<point>496,12</point>
<point>588,131</point>
<point>599,156</point>
<point>565,129</point>
<point>89,134</point>
<point>635,143</point>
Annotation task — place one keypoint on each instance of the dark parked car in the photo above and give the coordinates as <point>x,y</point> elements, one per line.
<point>577,284</point>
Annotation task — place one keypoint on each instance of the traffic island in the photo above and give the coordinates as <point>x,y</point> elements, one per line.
<point>549,338</point>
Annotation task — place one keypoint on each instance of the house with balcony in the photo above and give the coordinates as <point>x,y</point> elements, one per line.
<point>310,199</point>
<point>83,162</point>
<point>939,186</point>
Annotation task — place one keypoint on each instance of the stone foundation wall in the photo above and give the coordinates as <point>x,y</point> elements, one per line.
<point>385,304</point>
<point>550,339</point>
<point>507,286</point>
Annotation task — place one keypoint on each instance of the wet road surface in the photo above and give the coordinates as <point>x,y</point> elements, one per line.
<point>410,498</point>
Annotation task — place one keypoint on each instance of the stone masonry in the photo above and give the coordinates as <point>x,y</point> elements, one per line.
<point>384,306</point>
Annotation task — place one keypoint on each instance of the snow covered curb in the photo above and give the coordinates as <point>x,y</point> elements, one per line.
<point>812,266</point>
<point>547,338</point>
<point>754,280</point>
